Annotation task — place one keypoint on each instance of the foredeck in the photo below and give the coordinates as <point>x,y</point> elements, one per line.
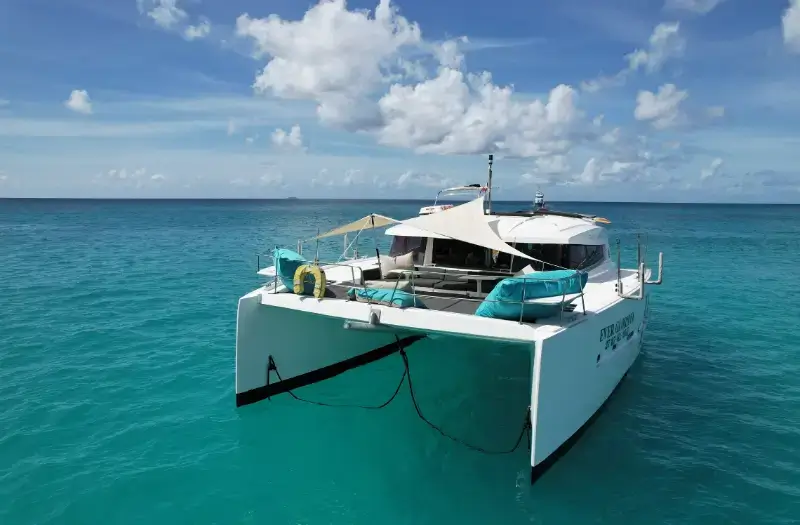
<point>448,293</point>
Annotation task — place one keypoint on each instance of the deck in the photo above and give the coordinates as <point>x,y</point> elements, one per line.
<point>454,295</point>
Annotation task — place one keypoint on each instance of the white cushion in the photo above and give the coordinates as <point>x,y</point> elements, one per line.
<point>401,262</point>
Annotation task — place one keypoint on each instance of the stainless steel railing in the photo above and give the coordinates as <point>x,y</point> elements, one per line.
<point>416,289</point>
<point>641,268</point>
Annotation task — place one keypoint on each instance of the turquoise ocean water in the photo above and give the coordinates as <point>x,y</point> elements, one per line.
<point>117,327</point>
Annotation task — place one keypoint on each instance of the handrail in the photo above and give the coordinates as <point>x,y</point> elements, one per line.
<point>641,267</point>
<point>321,263</point>
<point>660,270</point>
<point>639,295</point>
<point>432,270</point>
<point>521,302</point>
<point>360,284</point>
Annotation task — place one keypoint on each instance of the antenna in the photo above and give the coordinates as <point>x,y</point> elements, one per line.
<point>489,185</point>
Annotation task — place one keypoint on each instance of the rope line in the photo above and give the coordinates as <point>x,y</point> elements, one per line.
<point>526,426</point>
<point>346,405</point>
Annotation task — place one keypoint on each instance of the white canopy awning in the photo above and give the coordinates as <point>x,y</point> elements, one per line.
<point>372,220</point>
<point>467,223</point>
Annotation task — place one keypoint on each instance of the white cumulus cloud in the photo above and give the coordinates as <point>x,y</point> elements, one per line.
<point>201,30</point>
<point>79,102</point>
<point>165,13</point>
<point>604,171</point>
<point>124,178</point>
<point>712,170</point>
<point>418,179</point>
<point>457,114</point>
<point>332,55</point>
<point>291,140</point>
<point>662,109</point>
<point>356,66</point>
<point>791,26</point>
<point>665,43</point>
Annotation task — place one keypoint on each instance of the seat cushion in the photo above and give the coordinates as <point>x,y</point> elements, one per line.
<point>400,262</point>
<point>391,284</point>
<point>286,264</point>
<point>396,298</point>
<point>505,300</point>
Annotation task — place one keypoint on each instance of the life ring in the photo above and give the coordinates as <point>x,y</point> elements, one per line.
<point>319,280</point>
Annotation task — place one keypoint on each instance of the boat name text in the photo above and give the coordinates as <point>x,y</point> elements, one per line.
<point>613,333</point>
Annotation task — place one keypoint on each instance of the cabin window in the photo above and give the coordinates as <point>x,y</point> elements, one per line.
<point>402,245</point>
<point>555,256</point>
<point>594,254</point>
<point>458,254</point>
<point>576,256</point>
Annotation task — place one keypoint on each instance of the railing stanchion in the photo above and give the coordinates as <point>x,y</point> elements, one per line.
<point>619,269</point>
<point>583,302</point>
<point>275,266</point>
<point>638,250</point>
<point>660,269</point>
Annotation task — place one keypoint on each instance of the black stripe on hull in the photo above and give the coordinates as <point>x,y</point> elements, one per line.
<point>321,374</point>
<point>541,469</point>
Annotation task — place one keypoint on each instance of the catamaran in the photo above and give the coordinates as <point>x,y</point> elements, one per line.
<point>543,280</point>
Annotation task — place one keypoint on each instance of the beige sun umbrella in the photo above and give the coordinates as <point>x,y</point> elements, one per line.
<point>372,220</point>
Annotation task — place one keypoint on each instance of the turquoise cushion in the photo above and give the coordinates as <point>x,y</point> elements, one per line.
<point>286,263</point>
<point>504,301</point>
<point>386,296</point>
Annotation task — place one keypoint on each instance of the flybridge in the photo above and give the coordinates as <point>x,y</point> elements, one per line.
<point>537,210</point>
<point>456,190</point>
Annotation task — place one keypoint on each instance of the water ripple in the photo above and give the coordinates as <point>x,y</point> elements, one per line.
<point>116,384</point>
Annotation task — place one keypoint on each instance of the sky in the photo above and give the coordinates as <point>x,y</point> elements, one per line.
<point>612,100</point>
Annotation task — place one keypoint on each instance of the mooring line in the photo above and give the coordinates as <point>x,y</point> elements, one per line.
<point>526,426</point>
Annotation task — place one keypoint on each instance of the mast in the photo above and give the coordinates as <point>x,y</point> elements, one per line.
<point>489,185</point>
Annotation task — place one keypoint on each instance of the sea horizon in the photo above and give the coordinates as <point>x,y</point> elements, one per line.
<point>393,200</point>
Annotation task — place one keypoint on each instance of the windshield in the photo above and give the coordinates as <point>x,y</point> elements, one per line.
<point>553,256</point>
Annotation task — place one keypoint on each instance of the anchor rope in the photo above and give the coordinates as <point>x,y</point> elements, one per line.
<point>526,426</point>
<point>347,405</point>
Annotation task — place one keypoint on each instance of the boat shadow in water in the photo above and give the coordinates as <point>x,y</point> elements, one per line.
<point>475,392</point>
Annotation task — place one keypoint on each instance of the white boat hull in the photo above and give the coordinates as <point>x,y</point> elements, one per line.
<point>572,371</point>
<point>575,372</point>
